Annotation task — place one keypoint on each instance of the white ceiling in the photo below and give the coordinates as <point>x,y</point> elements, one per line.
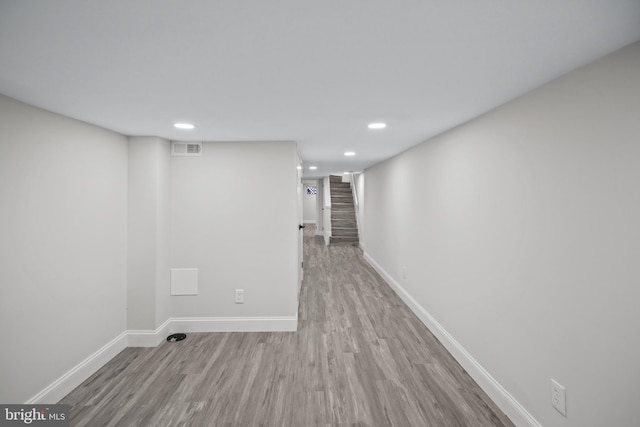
<point>315,72</point>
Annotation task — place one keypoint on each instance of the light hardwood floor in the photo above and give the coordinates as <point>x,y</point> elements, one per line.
<point>359,357</point>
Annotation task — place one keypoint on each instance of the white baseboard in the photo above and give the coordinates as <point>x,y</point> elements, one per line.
<point>144,338</point>
<point>502,398</point>
<point>62,386</point>
<point>234,324</point>
<point>148,338</point>
<point>211,324</point>
<point>309,221</point>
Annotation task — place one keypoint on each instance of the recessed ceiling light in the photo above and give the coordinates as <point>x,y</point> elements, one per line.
<point>377,125</point>
<point>183,125</point>
<point>350,153</point>
<point>313,168</point>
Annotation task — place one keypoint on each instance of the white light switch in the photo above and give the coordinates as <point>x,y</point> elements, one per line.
<point>239,296</point>
<point>558,397</point>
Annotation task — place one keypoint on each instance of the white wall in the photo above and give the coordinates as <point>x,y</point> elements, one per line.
<point>359,181</point>
<point>326,209</point>
<point>309,202</point>
<point>163,232</point>
<point>148,233</point>
<point>320,209</point>
<point>520,232</point>
<point>234,217</point>
<point>63,266</point>
<point>88,240</point>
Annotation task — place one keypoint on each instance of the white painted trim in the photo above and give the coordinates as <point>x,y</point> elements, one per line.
<point>54,392</point>
<point>502,398</point>
<point>146,338</point>
<point>58,389</point>
<point>235,324</point>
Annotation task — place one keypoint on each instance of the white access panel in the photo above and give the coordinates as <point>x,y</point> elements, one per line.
<point>184,281</point>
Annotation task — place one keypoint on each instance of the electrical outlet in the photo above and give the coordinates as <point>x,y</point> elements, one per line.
<point>558,397</point>
<point>239,296</point>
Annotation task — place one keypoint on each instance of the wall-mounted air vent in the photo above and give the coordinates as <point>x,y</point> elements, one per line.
<point>186,148</point>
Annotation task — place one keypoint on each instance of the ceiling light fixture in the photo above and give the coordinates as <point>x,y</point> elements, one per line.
<point>183,125</point>
<point>377,125</point>
<point>350,153</point>
<point>313,168</point>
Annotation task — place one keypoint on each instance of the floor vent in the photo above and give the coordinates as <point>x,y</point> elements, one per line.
<point>186,148</point>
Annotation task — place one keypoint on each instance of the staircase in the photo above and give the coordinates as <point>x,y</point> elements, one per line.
<point>344,229</point>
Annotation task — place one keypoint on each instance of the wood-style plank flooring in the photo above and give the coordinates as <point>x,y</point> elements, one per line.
<point>359,357</point>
